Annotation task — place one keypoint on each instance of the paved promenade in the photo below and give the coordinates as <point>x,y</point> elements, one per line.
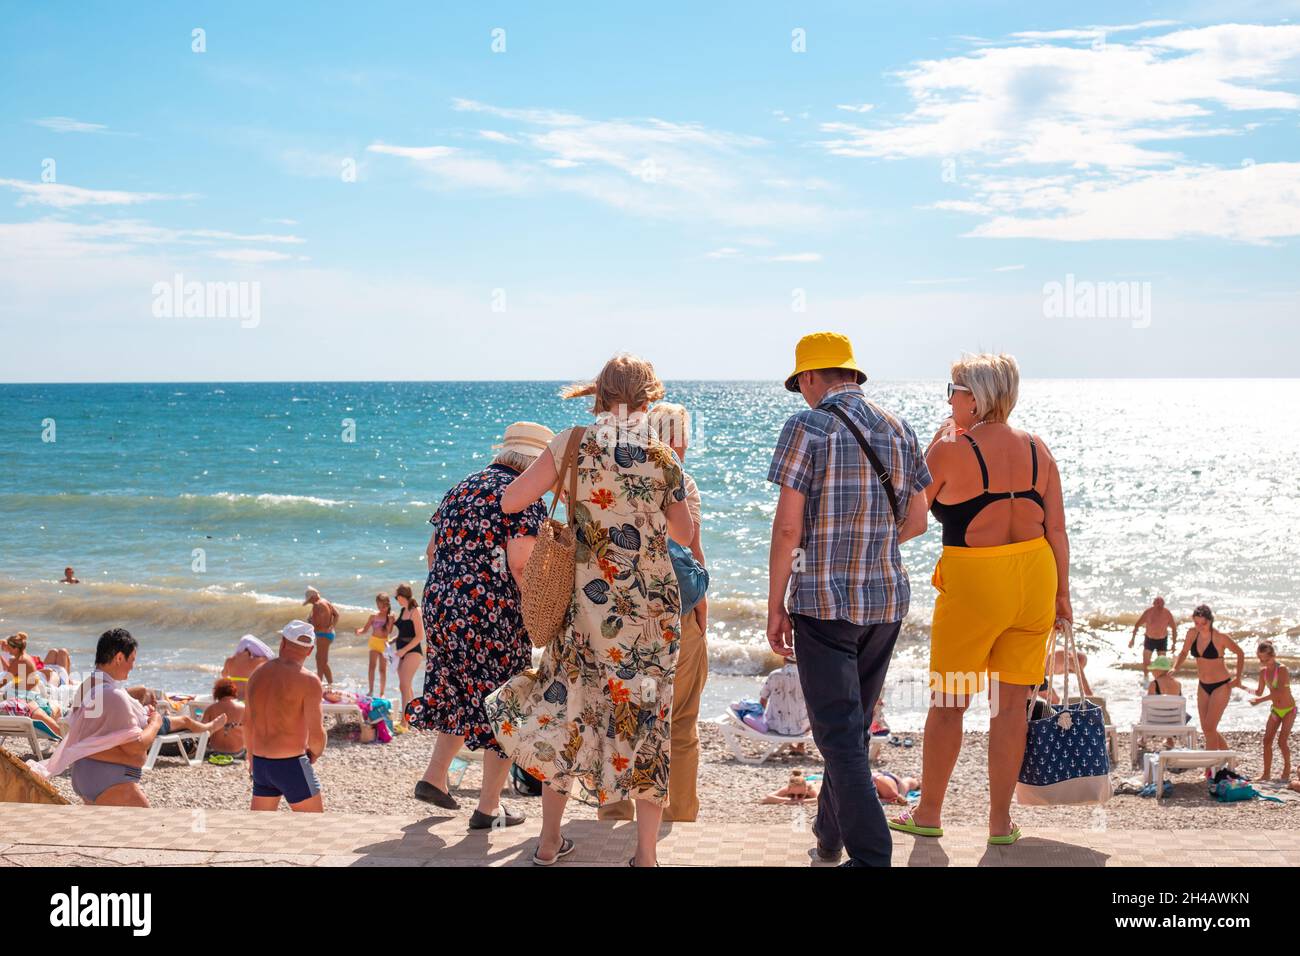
<point>32,835</point>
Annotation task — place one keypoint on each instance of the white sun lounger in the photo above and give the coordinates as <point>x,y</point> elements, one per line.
<point>1192,760</point>
<point>178,739</point>
<point>26,727</point>
<point>734,730</point>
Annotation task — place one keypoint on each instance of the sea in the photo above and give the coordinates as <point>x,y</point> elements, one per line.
<point>194,513</point>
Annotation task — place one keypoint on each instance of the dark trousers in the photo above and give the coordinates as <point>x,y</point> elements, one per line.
<point>842,670</point>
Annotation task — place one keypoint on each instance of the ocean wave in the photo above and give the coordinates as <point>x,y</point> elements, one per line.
<point>221,505</point>
<point>150,607</point>
<point>269,500</point>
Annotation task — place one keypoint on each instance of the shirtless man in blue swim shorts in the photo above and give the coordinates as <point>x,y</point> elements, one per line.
<point>284,729</point>
<point>324,617</point>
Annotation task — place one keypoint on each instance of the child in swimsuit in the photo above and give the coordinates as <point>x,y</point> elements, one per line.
<point>380,626</point>
<point>1275,677</point>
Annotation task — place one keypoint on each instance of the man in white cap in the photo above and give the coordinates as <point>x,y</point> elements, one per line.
<point>284,729</point>
<point>250,654</point>
<point>323,618</point>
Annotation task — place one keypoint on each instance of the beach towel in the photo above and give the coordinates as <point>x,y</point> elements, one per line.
<point>103,716</point>
<point>254,647</point>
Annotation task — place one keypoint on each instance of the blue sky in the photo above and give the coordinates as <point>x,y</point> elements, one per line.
<point>679,180</point>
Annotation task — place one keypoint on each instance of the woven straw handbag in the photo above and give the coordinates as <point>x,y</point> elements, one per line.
<point>548,579</point>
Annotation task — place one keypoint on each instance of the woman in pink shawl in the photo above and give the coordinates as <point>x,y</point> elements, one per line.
<point>110,732</point>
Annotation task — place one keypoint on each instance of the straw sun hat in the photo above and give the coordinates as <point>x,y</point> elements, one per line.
<point>526,438</point>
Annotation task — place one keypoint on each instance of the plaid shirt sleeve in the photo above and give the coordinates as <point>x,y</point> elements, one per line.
<point>795,461</point>
<point>922,479</point>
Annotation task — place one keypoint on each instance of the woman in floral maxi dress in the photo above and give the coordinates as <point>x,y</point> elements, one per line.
<point>593,720</point>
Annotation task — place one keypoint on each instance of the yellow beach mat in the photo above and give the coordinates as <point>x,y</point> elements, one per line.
<point>18,784</point>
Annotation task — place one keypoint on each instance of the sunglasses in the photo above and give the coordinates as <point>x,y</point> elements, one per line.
<point>956,388</point>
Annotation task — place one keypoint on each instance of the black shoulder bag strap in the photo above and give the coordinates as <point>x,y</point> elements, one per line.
<point>876,464</point>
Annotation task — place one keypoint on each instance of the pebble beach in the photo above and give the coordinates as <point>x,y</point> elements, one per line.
<point>379,778</point>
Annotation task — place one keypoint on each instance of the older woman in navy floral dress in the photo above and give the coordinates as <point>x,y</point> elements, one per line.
<point>472,618</point>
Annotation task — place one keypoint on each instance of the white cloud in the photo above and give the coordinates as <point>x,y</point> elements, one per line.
<point>496,136</point>
<point>797,257</point>
<point>66,124</point>
<point>647,167</point>
<point>952,281</point>
<point>63,196</point>
<point>731,252</point>
<point>860,108</point>
<point>412,152</point>
<point>1059,141</point>
<point>1009,268</point>
<point>57,239</point>
<point>1090,33</point>
<point>251,255</point>
<point>1256,203</point>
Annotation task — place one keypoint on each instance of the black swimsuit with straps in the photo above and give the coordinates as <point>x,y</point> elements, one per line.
<point>405,634</point>
<point>956,517</point>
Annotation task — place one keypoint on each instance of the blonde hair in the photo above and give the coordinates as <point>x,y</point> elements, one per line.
<point>994,381</point>
<point>383,598</point>
<point>626,382</point>
<point>670,423</point>
<point>515,460</point>
<point>17,643</point>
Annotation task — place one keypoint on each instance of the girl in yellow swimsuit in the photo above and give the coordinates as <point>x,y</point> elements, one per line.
<point>380,625</point>
<point>1277,679</point>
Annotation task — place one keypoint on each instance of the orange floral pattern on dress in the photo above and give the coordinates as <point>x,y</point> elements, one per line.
<point>584,720</point>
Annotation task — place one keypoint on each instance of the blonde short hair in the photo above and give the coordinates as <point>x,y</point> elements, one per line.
<point>994,381</point>
<point>670,423</point>
<point>626,382</point>
<point>514,460</point>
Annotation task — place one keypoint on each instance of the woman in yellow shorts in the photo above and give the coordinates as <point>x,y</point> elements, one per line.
<point>1003,581</point>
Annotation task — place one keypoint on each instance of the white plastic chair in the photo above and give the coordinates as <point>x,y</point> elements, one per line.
<point>177,738</point>
<point>1162,715</point>
<point>26,727</point>
<point>734,730</point>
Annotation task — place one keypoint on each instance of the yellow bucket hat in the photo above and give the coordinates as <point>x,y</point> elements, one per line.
<point>823,350</point>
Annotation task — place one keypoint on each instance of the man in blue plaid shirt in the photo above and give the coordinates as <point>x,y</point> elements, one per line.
<point>839,522</point>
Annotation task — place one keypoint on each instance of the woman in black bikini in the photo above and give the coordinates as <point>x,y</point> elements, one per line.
<point>1209,647</point>
<point>409,643</point>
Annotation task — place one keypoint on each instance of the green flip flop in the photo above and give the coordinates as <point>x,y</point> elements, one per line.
<point>1007,840</point>
<point>905,824</point>
<point>221,760</point>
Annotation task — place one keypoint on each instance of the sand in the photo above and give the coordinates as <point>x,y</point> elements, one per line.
<point>379,778</point>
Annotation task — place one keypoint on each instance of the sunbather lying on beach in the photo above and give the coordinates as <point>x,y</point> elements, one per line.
<point>891,788</point>
<point>174,721</point>
<point>58,667</point>
<point>24,707</point>
<point>796,791</point>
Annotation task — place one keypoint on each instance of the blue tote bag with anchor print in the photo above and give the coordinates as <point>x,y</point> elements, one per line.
<point>1066,757</point>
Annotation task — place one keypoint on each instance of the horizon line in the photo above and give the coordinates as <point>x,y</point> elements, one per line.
<point>549,381</point>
